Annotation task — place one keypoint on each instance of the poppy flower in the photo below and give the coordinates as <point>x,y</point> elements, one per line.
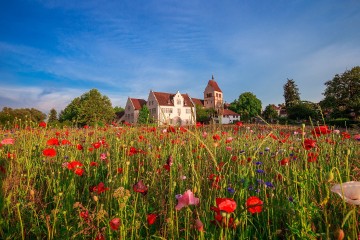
<point>65,142</point>
<point>199,225</point>
<point>186,199</point>
<point>100,188</point>
<point>312,157</point>
<point>216,137</point>
<point>151,218</point>
<point>140,188</point>
<point>115,224</point>
<point>320,130</point>
<point>42,124</point>
<point>49,152</point>
<point>309,143</point>
<point>349,191</point>
<point>8,141</point>
<point>254,204</point>
<point>79,147</point>
<point>52,142</point>
<point>239,124</point>
<point>74,164</point>
<point>84,215</point>
<point>226,204</point>
<point>79,171</point>
<point>284,162</point>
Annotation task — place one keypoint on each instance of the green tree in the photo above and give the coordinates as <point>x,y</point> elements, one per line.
<point>118,109</point>
<point>303,110</point>
<point>9,115</point>
<point>291,93</point>
<point>270,112</point>
<point>144,115</point>
<point>248,106</point>
<point>91,108</point>
<point>342,93</point>
<point>53,117</point>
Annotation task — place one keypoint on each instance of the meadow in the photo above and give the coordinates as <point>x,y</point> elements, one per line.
<point>205,182</point>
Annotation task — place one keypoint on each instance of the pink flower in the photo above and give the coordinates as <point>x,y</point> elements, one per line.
<point>186,199</point>
<point>8,141</point>
<point>115,224</point>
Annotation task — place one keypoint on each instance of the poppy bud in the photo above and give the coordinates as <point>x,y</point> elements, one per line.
<point>339,235</point>
<point>330,176</point>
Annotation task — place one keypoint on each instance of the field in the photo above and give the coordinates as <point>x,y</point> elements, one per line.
<point>204,182</point>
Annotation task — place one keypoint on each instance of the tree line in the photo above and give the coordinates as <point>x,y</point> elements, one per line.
<point>341,101</point>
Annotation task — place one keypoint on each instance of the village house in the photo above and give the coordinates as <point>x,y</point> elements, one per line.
<point>229,117</point>
<point>132,108</point>
<point>172,109</point>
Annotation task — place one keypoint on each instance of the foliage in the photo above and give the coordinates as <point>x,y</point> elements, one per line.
<point>291,93</point>
<point>91,108</point>
<point>144,115</point>
<point>344,123</point>
<point>342,93</point>
<point>270,112</point>
<point>9,115</point>
<point>248,106</point>
<point>118,109</point>
<point>204,115</point>
<point>52,120</point>
<point>304,110</point>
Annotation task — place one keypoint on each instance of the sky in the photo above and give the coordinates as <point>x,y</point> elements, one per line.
<point>52,51</point>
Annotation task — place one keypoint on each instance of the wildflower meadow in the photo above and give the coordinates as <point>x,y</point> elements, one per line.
<point>199,182</point>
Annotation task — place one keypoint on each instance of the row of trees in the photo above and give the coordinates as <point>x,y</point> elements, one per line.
<point>342,100</point>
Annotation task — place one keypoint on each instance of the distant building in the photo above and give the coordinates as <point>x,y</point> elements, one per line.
<point>172,109</point>
<point>229,117</point>
<point>213,96</point>
<point>132,108</point>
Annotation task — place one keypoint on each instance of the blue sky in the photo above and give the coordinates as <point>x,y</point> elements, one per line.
<point>53,51</point>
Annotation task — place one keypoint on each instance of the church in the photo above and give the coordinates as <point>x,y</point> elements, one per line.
<point>179,108</point>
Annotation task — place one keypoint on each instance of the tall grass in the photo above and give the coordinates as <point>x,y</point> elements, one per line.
<point>43,198</point>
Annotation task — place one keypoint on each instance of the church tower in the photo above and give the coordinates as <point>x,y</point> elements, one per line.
<point>213,96</point>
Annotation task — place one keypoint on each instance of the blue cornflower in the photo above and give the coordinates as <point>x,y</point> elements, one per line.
<point>269,184</point>
<point>231,190</point>
<point>291,199</point>
<point>258,163</point>
<point>260,171</point>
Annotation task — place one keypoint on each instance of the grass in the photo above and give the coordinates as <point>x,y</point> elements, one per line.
<point>43,197</point>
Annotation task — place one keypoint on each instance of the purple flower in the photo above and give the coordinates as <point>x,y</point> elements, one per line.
<point>269,184</point>
<point>260,171</point>
<point>258,163</point>
<point>230,190</point>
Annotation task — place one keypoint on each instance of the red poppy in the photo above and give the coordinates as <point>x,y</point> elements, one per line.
<point>151,218</point>
<point>65,142</point>
<point>226,204</point>
<point>120,170</point>
<point>96,145</point>
<point>312,157</point>
<point>309,143</point>
<point>94,164</point>
<point>79,147</point>
<point>140,188</point>
<point>320,130</point>
<point>115,224</point>
<point>52,142</point>
<point>216,137</point>
<point>84,215</point>
<point>284,162</point>
<point>239,124</point>
<point>79,171</point>
<point>345,135</point>
<point>100,188</point>
<point>254,204</point>
<point>49,152</point>
<point>42,124</point>
<point>198,124</point>
<point>74,164</point>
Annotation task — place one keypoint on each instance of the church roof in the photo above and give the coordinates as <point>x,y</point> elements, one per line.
<point>214,85</point>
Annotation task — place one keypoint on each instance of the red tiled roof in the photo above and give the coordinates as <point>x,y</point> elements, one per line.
<point>227,112</point>
<point>214,85</point>
<point>198,101</point>
<point>167,99</point>
<point>138,103</point>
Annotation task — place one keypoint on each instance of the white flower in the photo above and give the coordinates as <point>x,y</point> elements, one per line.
<point>349,191</point>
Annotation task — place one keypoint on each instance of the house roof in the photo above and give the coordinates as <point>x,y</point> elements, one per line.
<point>227,112</point>
<point>214,85</point>
<point>167,99</point>
<point>198,101</point>
<point>138,103</point>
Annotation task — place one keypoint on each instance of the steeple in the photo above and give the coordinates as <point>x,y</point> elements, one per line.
<point>212,77</point>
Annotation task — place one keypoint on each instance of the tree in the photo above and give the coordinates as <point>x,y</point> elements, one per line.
<point>291,93</point>
<point>91,108</point>
<point>52,117</point>
<point>118,109</point>
<point>270,112</point>
<point>248,106</point>
<point>144,115</point>
<point>303,110</point>
<point>9,115</point>
<point>342,93</point>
